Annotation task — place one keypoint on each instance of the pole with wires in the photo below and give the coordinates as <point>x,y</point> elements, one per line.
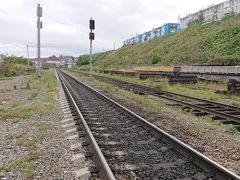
<point>39,26</point>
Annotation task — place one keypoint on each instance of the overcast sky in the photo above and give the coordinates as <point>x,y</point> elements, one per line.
<point>65,23</point>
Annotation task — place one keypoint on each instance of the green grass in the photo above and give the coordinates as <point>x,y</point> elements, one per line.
<point>215,42</point>
<point>46,83</point>
<point>46,86</point>
<point>16,112</point>
<point>237,104</point>
<point>19,141</point>
<point>26,112</point>
<point>230,129</point>
<point>25,165</point>
<point>5,78</point>
<point>42,126</point>
<point>40,103</point>
<point>6,113</point>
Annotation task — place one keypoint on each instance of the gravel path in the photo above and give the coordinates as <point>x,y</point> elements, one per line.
<point>36,147</point>
<point>207,138</point>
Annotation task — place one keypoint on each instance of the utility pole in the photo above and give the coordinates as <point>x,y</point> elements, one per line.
<point>39,26</point>
<point>114,45</point>
<point>91,37</point>
<point>28,54</point>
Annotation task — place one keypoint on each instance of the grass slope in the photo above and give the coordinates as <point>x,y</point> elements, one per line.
<point>216,42</point>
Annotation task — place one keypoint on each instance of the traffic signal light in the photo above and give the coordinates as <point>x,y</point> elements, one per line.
<point>92,24</point>
<point>91,36</point>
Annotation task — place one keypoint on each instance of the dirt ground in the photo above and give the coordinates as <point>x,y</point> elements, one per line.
<point>32,146</point>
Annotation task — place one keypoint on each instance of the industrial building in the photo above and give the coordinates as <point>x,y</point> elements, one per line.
<point>212,13</point>
<point>166,29</point>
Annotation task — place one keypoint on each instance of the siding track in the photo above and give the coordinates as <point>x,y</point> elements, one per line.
<point>224,113</point>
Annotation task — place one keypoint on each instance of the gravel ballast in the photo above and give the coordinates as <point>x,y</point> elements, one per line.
<point>208,138</point>
<point>36,147</point>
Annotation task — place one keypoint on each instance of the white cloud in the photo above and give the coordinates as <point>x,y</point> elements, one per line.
<point>65,22</point>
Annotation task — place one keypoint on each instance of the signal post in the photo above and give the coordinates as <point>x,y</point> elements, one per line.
<point>91,37</point>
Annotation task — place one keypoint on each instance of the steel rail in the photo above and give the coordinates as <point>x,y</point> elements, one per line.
<point>104,169</point>
<point>179,95</point>
<point>224,115</point>
<point>223,173</point>
<point>169,93</point>
<point>165,95</point>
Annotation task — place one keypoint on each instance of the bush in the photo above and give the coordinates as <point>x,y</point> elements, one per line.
<point>13,66</point>
<point>85,59</point>
<point>155,58</point>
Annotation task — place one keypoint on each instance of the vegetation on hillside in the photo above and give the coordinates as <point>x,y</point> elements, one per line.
<point>85,59</point>
<point>13,66</point>
<point>209,43</point>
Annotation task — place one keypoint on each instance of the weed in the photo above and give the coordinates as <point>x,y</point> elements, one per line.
<point>25,113</point>
<point>33,95</point>
<point>229,128</point>
<point>28,86</point>
<point>42,126</point>
<point>6,113</point>
<point>50,95</point>
<point>14,87</point>
<point>31,143</point>
<point>199,128</point>
<point>16,111</point>
<point>42,149</point>
<point>5,78</point>
<point>24,164</point>
<point>19,141</point>
<point>17,135</point>
<point>43,108</point>
<point>15,104</point>
<point>237,104</point>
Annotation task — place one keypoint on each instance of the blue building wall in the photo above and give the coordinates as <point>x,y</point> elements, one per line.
<point>140,38</point>
<point>166,29</point>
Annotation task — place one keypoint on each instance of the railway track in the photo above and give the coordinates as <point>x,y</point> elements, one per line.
<point>226,114</point>
<point>126,146</point>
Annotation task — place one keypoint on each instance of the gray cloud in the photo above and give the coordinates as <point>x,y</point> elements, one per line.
<point>65,23</point>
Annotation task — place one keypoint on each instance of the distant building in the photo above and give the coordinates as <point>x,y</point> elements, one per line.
<point>164,30</point>
<point>49,62</point>
<point>53,61</point>
<point>68,61</point>
<point>212,13</point>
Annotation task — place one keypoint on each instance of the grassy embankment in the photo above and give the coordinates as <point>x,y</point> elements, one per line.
<point>216,42</point>
<point>40,103</point>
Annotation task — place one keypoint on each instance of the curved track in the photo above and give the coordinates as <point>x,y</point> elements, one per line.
<point>132,147</point>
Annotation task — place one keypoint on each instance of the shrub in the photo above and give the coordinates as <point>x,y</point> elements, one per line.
<point>155,58</point>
